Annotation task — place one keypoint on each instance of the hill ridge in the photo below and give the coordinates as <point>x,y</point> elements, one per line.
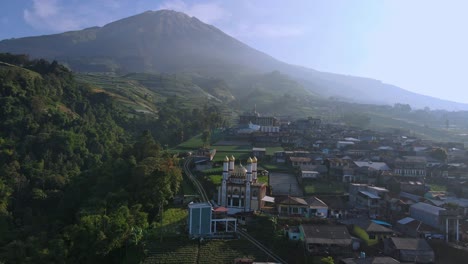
<point>167,41</point>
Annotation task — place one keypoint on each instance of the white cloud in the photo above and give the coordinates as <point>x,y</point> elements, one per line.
<point>47,14</point>
<point>267,31</point>
<point>207,12</point>
<point>59,16</point>
<point>278,31</point>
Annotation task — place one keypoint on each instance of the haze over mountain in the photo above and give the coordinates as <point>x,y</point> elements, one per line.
<point>169,41</point>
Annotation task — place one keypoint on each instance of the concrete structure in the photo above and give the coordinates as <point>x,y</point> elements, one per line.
<point>203,223</point>
<point>199,219</point>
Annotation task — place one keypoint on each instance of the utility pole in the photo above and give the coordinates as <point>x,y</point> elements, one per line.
<point>161,211</point>
<point>289,200</point>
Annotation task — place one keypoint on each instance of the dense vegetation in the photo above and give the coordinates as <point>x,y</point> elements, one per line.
<point>81,181</point>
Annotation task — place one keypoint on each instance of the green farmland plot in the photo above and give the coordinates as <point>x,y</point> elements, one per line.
<point>225,251</point>
<point>319,187</point>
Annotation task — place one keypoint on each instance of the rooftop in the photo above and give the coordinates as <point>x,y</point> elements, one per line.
<point>374,165</point>
<point>326,234</point>
<point>291,200</point>
<point>410,243</point>
<point>199,205</point>
<point>316,202</point>
<point>427,208</point>
<point>369,195</point>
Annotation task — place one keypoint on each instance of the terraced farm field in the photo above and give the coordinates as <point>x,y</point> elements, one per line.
<point>175,250</point>
<point>182,250</point>
<point>225,251</point>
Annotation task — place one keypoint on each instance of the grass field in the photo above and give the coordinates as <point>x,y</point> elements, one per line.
<point>272,167</point>
<point>182,250</point>
<point>272,150</point>
<point>438,187</point>
<point>173,222</point>
<point>316,187</point>
<point>191,144</point>
<point>186,187</point>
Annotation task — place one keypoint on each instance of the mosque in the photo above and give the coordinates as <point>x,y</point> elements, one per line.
<point>240,191</point>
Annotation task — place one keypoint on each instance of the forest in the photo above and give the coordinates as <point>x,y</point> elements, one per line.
<point>81,181</point>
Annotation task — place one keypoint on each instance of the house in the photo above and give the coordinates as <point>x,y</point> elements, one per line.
<point>326,239</point>
<point>428,214</point>
<point>317,208</point>
<point>369,171</point>
<point>343,144</point>
<point>369,231</point>
<point>337,206</point>
<point>289,205</point>
<point>415,228</point>
<point>367,197</point>
<point>259,152</point>
<point>409,250</point>
<point>305,126</point>
<point>338,168</point>
<point>256,118</point>
<point>306,174</point>
<point>300,161</point>
<point>414,187</point>
<point>280,156</point>
<point>410,166</point>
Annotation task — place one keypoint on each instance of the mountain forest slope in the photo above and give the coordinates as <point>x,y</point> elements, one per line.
<point>82,179</point>
<point>171,42</point>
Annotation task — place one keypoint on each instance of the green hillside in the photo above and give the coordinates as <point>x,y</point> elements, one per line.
<point>82,180</point>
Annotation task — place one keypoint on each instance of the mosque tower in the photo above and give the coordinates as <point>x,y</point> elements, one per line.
<point>248,182</point>
<point>224,182</point>
<point>254,169</point>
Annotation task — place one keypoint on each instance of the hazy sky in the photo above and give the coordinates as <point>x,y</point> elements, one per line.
<point>419,45</point>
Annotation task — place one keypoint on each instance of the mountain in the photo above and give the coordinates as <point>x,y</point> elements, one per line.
<point>172,42</point>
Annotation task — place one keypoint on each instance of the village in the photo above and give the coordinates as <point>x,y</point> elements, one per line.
<point>357,195</point>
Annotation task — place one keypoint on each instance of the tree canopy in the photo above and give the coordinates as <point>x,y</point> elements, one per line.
<point>80,180</point>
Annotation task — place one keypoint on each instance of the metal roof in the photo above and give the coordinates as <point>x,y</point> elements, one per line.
<point>370,195</point>
<point>405,220</point>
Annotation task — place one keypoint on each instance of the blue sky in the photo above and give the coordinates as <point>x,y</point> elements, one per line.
<point>419,45</point>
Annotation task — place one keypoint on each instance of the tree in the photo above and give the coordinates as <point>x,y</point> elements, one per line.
<point>439,154</point>
<point>406,108</point>
<point>205,137</point>
<point>356,119</point>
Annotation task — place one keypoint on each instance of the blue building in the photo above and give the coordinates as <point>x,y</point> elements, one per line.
<point>199,219</point>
